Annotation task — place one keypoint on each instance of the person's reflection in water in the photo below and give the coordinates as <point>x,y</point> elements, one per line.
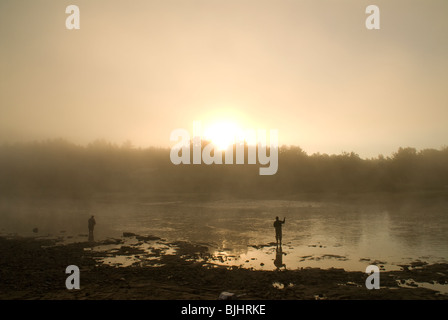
<point>278,262</point>
<point>92,223</point>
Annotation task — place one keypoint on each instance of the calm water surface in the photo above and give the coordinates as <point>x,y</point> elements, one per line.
<point>241,233</point>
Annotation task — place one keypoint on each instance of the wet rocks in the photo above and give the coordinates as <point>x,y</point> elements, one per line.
<point>31,271</point>
<point>128,234</point>
<point>418,263</point>
<point>147,238</point>
<point>111,241</point>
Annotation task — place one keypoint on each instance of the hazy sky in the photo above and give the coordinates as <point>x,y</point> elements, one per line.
<point>139,69</point>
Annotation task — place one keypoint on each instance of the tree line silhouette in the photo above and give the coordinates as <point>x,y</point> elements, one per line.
<point>61,168</point>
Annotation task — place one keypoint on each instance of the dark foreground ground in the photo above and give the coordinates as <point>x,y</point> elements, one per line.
<point>35,269</point>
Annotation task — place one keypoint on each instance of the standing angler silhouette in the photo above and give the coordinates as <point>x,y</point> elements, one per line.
<point>278,230</point>
<point>92,224</point>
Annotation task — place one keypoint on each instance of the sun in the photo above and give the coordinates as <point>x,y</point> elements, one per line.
<point>223,133</point>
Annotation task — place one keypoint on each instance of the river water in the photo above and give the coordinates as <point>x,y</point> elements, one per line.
<point>240,232</point>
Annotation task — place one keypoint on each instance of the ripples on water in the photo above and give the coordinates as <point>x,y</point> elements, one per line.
<point>240,232</point>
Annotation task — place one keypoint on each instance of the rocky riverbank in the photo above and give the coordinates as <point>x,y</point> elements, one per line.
<point>34,268</point>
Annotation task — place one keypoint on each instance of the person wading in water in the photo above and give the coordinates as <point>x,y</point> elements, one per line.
<point>278,230</point>
<point>92,224</point>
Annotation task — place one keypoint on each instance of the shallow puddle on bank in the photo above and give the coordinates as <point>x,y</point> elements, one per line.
<point>410,283</point>
<point>270,257</point>
<point>131,251</point>
<point>119,261</point>
<point>280,286</point>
